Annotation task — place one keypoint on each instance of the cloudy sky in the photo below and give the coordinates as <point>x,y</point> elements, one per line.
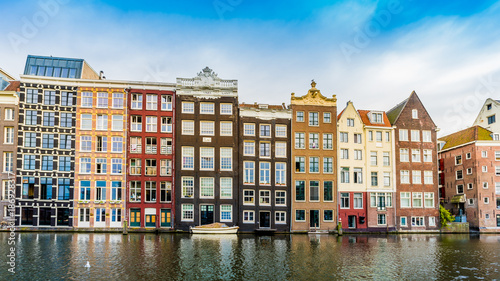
<point>374,53</point>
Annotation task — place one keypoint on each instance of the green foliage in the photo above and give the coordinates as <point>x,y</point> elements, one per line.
<point>446,217</point>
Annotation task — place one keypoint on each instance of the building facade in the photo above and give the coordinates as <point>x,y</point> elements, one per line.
<point>207,150</point>
<point>471,177</point>
<point>417,205</point>
<point>487,117</point>
<point>150,158</point>
<point>314,129</point>
<point>264,168</point>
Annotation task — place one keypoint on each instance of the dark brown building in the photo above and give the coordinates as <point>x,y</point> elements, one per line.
<point>417,196</point>
<point>206,134</point>
<point>265,166</point>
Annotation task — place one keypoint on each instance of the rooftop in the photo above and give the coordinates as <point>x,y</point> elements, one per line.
<point>468,135</point>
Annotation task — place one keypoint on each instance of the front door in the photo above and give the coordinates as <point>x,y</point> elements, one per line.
<point>150,220</point>
<point>135,218</point>
<point>166,218</point>
<point>314,218</point>
<point>351,221</point>
<point>206,214</point>
<point>265,220</point>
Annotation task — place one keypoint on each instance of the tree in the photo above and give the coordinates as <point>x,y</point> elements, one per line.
<point>446,216</point>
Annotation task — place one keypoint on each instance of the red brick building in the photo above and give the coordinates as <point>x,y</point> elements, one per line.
<point>417,205</point>
<point>150,155</point>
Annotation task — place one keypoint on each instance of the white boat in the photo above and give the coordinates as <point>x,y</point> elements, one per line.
<point>214,228</point>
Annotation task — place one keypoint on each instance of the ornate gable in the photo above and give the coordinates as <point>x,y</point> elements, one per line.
<point>314,97</point>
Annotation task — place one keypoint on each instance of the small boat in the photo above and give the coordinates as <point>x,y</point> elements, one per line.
<point>214,228</point>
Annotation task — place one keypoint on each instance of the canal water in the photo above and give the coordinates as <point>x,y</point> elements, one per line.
<point>63,256</point>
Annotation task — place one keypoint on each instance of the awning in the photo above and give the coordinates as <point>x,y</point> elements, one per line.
<point>458,199</point>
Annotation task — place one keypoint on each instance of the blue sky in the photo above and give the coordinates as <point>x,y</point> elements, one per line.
<point>374,53</point>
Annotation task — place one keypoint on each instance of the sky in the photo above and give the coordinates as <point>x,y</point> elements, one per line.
<point>373,53</point>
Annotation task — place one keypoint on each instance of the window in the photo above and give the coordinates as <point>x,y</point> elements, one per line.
<point>31,96</point>
<point>265,149</point>
<point>357,138</point>
<point>49,119</point>
<point>344,175</point>
<point>484,154</point>
<point>404,221</point>
<point>327,141</point>
<point>313,119</point>
<point>405,176</point>
<point>64,163</point>
<point>374,178</point>
<point>485,169</point>
<point>386,159</point>
<point>470,186</point>
<point>350,122</point>
<point>135,166</point>
<point>64,141</point>
<point>300,190</point>
<point>403,135</point>
<point>116,166</point>
<point>313,190</point>
<point>150,167</point>
<point>117,100</point>
<point>428,178</point>
<point>226,128</point>
<point>135,191</point>
<point>497,170</point>
<point>101,165</point>
<point>264,197</point>
<point>187,127</point>
<point>358,201</point>
<point>265,173</point>
<point>280,198</point>
<point>300,116</point>
<point>248,216</point>
<point>49,97</point>
<point>207,108</point>
<point>102,144</point>
<point>378,136</point>
<point>165,167</point>
<point>427,155</point>
<point>117,144</point>
<point>206,187</point>
<point>327,117</point>
<point>187,107</point>
<point>415,135</point>
<point>248,197</point>
<point>313,164</point>
<point>300,141</point>
<point>8,161</point>
<point>226,213</point>
<point>414,114</point>
<point>370,135</point>
<point>486,200</point>
<point>166,102</point>
<point>31,117</point>
<point>226,108</point>
<point>207,158</point>
<point>417,177</point>
<point>265,131</point>
<point>280,131</point>
<point>459,175</point>
<point>226,188</point>
<point>405,199</point>
<point>358,154</point>
<point>9,114</point>
<point>249,129</point>
<point>373,158</point>
<point>166,124</point>
<point>102,100</point>
<point>344,153</point>
<point>187,187</point>
<point>300,164</point>
<point>381,219</point>
<point>226,158</point>
<point>207,128</point>
<point>100,190</point>
<point>458,160</point>
<point>327,165</point>
<point>151,102</point>
<point>166,145</point>
<point>387,137</point>
<point>66,120</point>
<point>84,215</point>
<point>29,161</point>
<point>387,179</point>
<point>300,215</point>
<point>280,149</point>
<point>248,172</point>
<point>9,135</point>
<point>358,175</point>
<point>344,200</point>
<point>417,199</point>
<point>491,119</point>
<point>426,136</point>
<point>328,191</point>
<point>470,201</point>
<point>280,217</point>
<point>85,190</point>
<point>344,137</point>
<point>187,212</point>
<point>376,118</point>
<point>469,171</point>
<point>102,122</point>
<point>497,155</point>
<point>150,188</point>
<point>429,199</point>
<point>415,155</point>
<point>417,221</point>
<point>86,143</point>
<point>403,155</point>
<point>136,123</point>
<point>313,140</point>
<point>249,148</point>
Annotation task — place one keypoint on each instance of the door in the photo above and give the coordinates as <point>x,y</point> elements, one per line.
<point>206,214</point>
<point>135,218</point>
<point>265,219</point>
<point>351,221</point>
<point>150,220</point>
<point>314,218</point>
<point>166,218</point>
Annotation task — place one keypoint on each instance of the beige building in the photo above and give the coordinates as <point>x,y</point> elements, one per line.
<point>314,151</point>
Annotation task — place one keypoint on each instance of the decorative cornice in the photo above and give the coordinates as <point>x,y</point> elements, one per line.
<point>314,97</point>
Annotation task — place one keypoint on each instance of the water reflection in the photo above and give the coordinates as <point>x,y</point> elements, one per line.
<point>43,256</point>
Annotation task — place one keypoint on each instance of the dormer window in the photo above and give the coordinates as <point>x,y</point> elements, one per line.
<point>376,117</point>
<point>488,106</point>
<point>414,114</point>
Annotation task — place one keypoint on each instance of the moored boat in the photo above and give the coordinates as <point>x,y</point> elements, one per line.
<point>214,228</point>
